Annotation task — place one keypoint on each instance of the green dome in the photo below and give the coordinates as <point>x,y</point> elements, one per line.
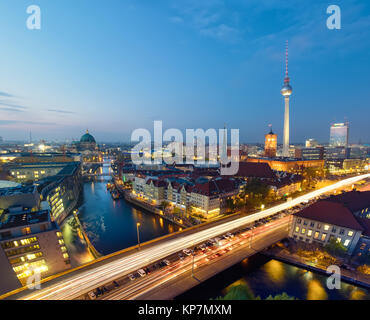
<point>87,137</point>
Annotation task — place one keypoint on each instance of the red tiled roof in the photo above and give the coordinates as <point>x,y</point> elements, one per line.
<point>215,186</point>
<point>353,200</point>
<point>255,170</point>
<point>332,213</point>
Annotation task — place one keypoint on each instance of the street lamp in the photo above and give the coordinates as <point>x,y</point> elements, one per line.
<point>137,230</point>
<point>262,206</point>
<point>192,266</point>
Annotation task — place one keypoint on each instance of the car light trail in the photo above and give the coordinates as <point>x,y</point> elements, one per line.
<point>77,284</point>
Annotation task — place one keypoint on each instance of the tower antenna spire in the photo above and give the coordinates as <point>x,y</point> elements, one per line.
<point>286,61</point>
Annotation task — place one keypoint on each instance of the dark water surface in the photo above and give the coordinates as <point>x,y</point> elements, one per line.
<point>270,277</point>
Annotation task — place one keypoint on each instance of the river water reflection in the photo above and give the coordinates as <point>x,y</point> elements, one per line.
<point>110,224</point>
<point>271,277</point>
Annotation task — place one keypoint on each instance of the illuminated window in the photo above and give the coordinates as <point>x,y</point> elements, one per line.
<point>326,227</point>
<point>16,244</point>
<point>61,241</point>
<point>346,243</point>
<point>59,234</point>
<point>296,229</point>
<point>309,233</point>
<point>323,237</point>
<point>316,235</point>
<point>350,233</point>
<point>26,230</point>
<point>31,256</point>
<point>339,240</point>
<point>65,255</point>
<point>303,230</point>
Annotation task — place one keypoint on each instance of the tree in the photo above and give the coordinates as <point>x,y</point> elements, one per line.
<point>238,292</point>
<point>243,292</point>
<point>335,247</point>
<point>164,205</point>
<point>282,296</point>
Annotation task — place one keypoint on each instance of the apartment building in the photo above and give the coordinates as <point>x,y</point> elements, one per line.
<point>30,243</point>
<point>342,217</point>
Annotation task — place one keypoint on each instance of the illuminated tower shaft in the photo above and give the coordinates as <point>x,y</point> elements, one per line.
<point>286,128</point>
<point>286,91</point>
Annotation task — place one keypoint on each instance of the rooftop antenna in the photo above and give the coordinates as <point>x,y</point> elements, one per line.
<point>286,61</point>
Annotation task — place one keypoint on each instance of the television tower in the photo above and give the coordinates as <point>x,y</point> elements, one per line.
<point>286,91</point>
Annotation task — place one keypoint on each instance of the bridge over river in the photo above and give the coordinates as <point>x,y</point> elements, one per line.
<point>162,283</point>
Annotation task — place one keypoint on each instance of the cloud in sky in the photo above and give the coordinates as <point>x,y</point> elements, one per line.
<point>10,122</point>
<point>5,94</point>
<point>6,106</point>
<point>61,111</point>
<point>210,18</point>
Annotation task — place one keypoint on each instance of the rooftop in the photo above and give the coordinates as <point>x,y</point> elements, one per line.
<point>17,220</point>
<point>332,213</point>
<point>255,170</point>
<point>21,189</point>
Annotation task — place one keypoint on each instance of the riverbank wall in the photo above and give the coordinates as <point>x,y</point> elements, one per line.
<point>351,277</point>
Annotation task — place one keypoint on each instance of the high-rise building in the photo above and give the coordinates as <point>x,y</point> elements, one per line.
<point>286,91</point>
<point>270,144</point>
<point>311,143</point>
<point>339,135</point>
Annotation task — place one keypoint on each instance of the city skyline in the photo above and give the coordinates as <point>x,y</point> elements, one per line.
<point>113,71</point>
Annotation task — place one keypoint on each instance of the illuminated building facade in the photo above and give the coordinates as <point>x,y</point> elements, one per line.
<point>316,153</point>
<point>341,218</point>
<point>31,243</point>
<point>289,165</point>
<point>339,134</point>
<point>270,144</point>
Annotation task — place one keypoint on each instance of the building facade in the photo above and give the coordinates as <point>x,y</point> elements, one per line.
<point>339,134</point>
<point>31,243</point>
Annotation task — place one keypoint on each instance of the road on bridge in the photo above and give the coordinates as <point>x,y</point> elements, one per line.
<point>83,281</point>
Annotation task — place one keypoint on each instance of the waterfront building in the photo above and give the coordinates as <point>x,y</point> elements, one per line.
<point>202,196</point>
<point>62,191</point>
<point>342,218</point>
<point>30,243</point>
<point>88,148</point>
<point>339,134</point>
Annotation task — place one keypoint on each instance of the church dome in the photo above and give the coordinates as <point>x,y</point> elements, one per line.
<point>87,137</point>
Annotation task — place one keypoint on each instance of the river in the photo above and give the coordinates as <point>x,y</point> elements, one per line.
<point>110,224</point>
<point>271,277</point>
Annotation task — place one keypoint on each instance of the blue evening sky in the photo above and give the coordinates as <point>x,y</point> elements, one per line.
<point>113,66</point>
